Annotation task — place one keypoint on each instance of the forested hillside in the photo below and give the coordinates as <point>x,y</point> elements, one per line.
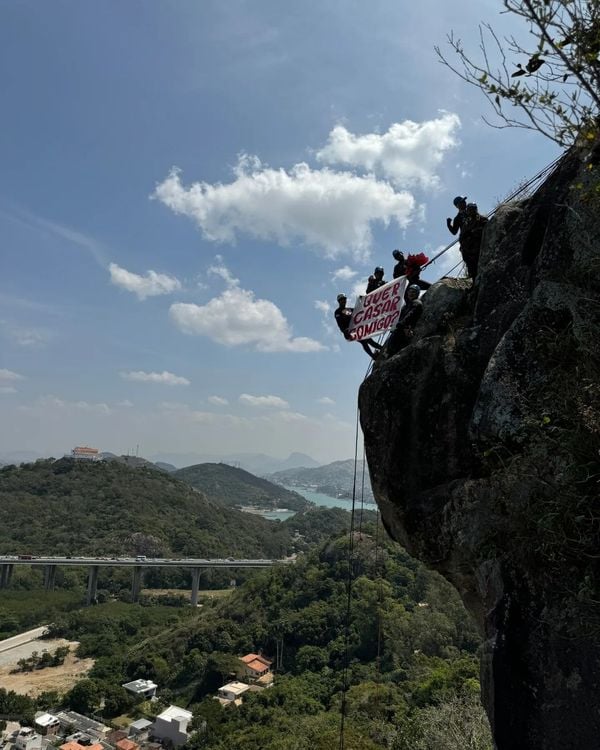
<point>333,479</point>
<point>236,488</point>
<point>68,507</point>
<point>410,652</point>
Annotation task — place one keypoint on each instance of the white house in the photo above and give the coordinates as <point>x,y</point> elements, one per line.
<point>47,724</point>
<point>28,739</point>
<point>232,692</point>
<point>172,725</point>
<point>142,688</point>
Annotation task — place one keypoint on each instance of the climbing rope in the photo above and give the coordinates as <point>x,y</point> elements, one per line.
<point>542,174</point>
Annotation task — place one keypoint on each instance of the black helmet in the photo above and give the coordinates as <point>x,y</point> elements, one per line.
<point>472,207</point>
<point>340,297</point>
<point>378,269</point>
<point>398,255</point>
<point>459,199</point>
<point>414,288</point>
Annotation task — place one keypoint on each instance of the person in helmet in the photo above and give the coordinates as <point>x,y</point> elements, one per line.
<point>375,280</point>
<point>411,268</point>
<point>409,316</point>
<point>470,238</point>
<point>343,315</point>
<point>455,225</point>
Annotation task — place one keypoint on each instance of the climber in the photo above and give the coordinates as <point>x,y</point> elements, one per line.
<point>409,315</point>
<point>413,270</point>
<point>375,280</point>
<point>343,315</point>
<point>455,225</point>
<point>400,267</point>
<point>470,238</point>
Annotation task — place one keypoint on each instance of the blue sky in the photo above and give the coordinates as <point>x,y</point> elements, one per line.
<point>186,186</point>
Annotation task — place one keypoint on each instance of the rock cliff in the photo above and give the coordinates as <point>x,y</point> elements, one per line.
<point>483,443</point>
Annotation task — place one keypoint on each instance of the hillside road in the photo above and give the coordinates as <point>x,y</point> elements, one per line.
<point>22,638</point>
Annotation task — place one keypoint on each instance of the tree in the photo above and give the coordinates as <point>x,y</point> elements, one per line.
<point>551,86</point>
<point>83,697</point>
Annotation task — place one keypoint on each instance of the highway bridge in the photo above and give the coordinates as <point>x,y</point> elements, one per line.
<point>137,564</point>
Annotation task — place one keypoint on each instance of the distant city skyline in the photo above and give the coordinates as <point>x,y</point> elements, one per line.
<point>187,186</point>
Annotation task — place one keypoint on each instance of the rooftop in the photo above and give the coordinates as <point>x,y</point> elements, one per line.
<point>77,746</point>
<point>46,720</point>
<point>174,712</point>
<point>126,744</point>
<point>141,724</point>
<point>235,687</point>
<point>140,686</point>
<point>253,657</point>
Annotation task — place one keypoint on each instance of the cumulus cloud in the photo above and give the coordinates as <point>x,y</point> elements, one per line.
<point>150,285</point>
<point>322,306</point>
<point>409,153</point>
<point>345,273</point>
<point>236,317</point>
<point>164,377</point>
<point>8,376</point>
<point>269,401</point>
<point>328,210</point>
<point>218,401</point>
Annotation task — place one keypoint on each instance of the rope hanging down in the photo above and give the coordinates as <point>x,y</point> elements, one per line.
<point>543,173</point>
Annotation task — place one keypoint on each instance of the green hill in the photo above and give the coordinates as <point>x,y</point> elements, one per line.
<point>67,507</point>
<point>238,488</point>
<point>333,479</point>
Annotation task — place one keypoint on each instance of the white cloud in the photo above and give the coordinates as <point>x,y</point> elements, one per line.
<point>345,273</point>
<point>408,154</point>
<point>274,402</point>
<point>6,389</point>
<point>218,401</point>
<point>8,376</point>
<point>328,210</point>
<point>125,404</point>
<point>164,377</point>
<point>150,285</point>
<point>322,306</point>
<point>222,271</point>
<point>449,263</point>
<point>26,336</point>
<point>236,317</point>
<point>326,401</point>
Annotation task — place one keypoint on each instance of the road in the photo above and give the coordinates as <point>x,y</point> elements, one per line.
<point>148,562</point>
<point>22,638</point>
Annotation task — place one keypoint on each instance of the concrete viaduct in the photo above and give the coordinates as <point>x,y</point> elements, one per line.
<point>137,564</point>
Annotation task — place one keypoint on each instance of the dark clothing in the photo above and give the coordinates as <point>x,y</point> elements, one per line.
<point>403,332</point>
<point>399,269</point>
<point>374,283</point>
<point>455,225</point>
<point>342,318</point>
<point>470,242</point>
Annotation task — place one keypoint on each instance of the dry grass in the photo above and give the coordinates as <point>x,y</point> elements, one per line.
<point>60,678</point>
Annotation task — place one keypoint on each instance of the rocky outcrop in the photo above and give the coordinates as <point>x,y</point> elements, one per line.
<point>483,443</point>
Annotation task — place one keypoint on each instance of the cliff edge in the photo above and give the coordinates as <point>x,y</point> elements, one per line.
<point>483,443</point>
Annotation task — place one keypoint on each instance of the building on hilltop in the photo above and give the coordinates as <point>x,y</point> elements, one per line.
<point>83,453</point>
<point>141,688</point>
<point>172,725</point>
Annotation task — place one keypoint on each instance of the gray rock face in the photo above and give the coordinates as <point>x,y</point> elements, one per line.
<point>483,443</point>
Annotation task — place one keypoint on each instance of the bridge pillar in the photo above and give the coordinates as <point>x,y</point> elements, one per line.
<point>92,587</point>
<point>6,570</point>
<point>49,577</point>
<point>136,583</point>
<point>195,586</point>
